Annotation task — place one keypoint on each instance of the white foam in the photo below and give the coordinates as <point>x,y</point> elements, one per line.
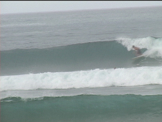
<point>83,79</point>
<point>153,45</point>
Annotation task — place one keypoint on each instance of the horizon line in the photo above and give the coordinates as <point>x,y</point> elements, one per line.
<point>75,10</point>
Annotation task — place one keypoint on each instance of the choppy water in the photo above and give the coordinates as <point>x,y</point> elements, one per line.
<point>78,66</point>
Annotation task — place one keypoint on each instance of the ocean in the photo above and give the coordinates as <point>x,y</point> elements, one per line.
<point>78,66</point>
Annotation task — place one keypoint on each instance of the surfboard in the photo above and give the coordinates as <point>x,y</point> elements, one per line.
<point>138,57</point>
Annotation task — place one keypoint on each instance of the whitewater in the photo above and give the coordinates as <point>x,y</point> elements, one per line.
<point>83,79</point>
<point>152,44</point>
<point>98,77</point>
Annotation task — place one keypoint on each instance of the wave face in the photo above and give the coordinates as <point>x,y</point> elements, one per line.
<point>87,108</point>
<point>85,56</point>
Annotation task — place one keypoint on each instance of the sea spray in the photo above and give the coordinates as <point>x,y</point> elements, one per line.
<point>152,44</point>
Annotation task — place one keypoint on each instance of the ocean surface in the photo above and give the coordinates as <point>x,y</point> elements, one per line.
<point>78,66</point>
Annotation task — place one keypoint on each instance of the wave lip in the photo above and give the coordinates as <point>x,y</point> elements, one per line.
<point>84,79</point>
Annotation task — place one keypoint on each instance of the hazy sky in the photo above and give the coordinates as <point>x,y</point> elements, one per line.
<point>45,6</point>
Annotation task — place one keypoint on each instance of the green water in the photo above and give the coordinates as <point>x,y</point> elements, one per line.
<point>85,108</point>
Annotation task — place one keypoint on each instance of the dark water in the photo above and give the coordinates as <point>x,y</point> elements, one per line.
<point>70,58</point>
<point>66,58</point>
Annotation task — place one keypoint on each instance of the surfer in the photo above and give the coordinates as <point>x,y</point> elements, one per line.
<point>138,51</point>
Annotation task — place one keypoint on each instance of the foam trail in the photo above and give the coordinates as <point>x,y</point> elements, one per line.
<point>152,44</point>
<point>83,79</point>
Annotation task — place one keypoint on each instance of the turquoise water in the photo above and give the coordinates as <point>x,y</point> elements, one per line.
<point>86,108</point>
